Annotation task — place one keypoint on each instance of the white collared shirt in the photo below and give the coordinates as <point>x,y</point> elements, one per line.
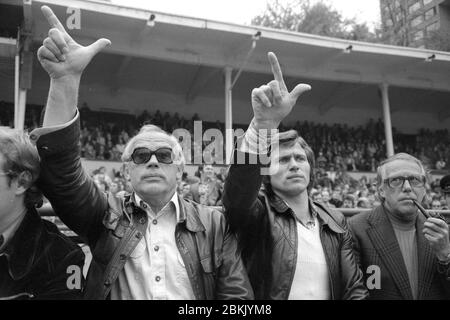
<point>155,269</point>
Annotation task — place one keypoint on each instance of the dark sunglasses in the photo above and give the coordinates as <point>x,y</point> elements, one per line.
<point>143,155</point>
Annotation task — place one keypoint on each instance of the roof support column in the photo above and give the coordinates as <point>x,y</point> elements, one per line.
<point>384,88</point>
<point>16,88</point>
<point>22,76</point>
<point>228,115</point>
<point>23,66</point>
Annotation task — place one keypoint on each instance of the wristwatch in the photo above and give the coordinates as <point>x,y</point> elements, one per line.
<point>446,261</point>
<point>443,265</point>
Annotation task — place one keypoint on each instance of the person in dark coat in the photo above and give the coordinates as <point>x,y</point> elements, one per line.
<point>36,260</point>
<point>403,253</point>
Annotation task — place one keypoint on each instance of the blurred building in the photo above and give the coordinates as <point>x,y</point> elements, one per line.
<point>411,22</point>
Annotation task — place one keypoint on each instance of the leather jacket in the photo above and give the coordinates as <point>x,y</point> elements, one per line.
<point>267,232</point>
<point>113,227</point>
<point>40,263</point>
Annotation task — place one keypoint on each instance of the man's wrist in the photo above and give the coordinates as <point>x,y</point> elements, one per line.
<point>68,81</point>
<point>265,124</point>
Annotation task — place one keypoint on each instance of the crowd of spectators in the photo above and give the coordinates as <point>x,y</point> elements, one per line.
<point>336,146</point>
<point>334,189</point>
<point>104,135</point>
<point>339,149</point>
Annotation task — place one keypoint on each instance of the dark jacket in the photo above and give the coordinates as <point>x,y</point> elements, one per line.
<point>267,232</point>
<point>375,244</point>
<point>40,263</point>
<point>113,227</point>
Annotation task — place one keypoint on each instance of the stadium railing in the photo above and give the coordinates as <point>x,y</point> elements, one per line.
<point>46,211</point>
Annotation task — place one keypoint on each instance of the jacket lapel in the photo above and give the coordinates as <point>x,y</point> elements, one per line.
<point>426,260</point>
<point>385,243</point>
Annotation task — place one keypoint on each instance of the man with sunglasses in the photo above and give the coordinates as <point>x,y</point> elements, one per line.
<point>151,244</point>
<point>404,254</point>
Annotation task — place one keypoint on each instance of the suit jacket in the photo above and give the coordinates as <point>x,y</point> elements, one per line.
<point>375,244</point>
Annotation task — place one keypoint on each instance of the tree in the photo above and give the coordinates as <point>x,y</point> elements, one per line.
<point>398,27</point>
<point>438,40</point>
<point>319,18</point>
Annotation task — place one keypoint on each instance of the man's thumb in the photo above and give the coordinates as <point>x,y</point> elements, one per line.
<point>299,89</point>
<point>99,45</point>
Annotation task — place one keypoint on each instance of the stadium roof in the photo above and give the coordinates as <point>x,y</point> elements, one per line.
<point>184,55</point>
<point>148,34</point>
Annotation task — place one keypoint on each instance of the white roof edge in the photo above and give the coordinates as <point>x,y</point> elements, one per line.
<point>275,34</point>
<point>8,41</point>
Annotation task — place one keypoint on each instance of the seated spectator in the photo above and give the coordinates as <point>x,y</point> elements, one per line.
<point>336,198</point>
<point>440,164</point>
<point>184,191</point>
<point>316,196</point>
<point>363,203</point>
<point>321,160</point>
<point>349,201</point>
<point>326,199</point>
<point>436,205</point>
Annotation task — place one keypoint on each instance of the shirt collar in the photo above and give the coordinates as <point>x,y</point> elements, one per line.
<point>143,205</point>
<point>316,212</point>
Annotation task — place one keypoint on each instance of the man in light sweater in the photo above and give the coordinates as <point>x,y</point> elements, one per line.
<point>293,248</point>
<point>404,254</point>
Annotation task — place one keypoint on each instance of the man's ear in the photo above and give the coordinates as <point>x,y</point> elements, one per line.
<point>24,181</point>
<point>126,171</point>
<point>179,173</point>
<point>381,192</point>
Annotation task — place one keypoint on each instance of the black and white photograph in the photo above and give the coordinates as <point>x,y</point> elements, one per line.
<point>258,150</point>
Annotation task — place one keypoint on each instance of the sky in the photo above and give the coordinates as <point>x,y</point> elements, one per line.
<point>242,11</point>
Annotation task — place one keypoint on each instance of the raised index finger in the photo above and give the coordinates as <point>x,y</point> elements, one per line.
<point>276,69</point>
<point>53,19</point>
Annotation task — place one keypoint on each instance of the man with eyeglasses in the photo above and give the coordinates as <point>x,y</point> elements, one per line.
<point>151,244</point>
<point>403,253</point>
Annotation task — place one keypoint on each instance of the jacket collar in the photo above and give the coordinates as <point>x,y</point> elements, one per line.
<point>189,216</point>
<point>22,250</point>
<point>187,213</point>
<point>316,210</point>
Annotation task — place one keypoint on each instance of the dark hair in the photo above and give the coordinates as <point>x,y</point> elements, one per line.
<point>288,139</point>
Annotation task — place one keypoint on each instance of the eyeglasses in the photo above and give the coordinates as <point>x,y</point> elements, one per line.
<point>143,155</point>
<point>398,182</point>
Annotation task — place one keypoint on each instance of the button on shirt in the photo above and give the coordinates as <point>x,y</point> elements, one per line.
<point>155,270</point>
